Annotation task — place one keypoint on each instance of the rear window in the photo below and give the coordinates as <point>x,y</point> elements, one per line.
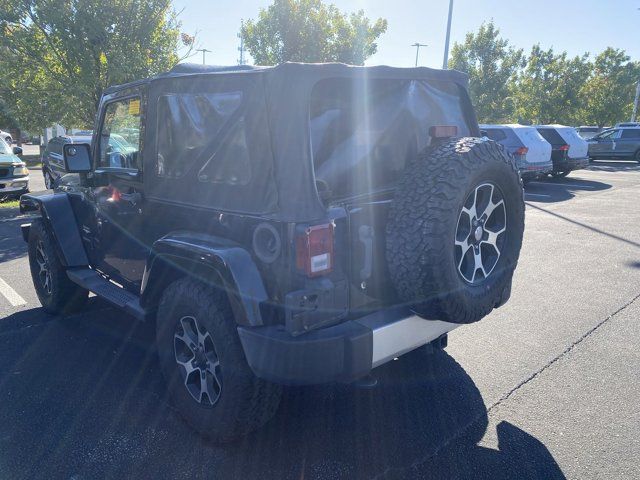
<point>551,136</point>
<point>362,133</point>
<point>630,133</point>
<point>496,134</point>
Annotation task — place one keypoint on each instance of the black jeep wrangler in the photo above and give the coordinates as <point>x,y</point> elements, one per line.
<point>290,225</point>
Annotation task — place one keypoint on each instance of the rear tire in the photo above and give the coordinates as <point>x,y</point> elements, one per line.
<point>232,401</point>
<point>428,254</point>
<point>56,292</point>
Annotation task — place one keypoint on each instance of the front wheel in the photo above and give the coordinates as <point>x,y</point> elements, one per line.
<point>56,292</point>
<point>202,360</point>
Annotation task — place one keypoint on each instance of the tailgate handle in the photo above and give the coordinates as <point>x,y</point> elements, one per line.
<point>365,234</point>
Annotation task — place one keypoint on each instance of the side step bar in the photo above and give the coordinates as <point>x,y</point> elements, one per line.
<point>96,283</point>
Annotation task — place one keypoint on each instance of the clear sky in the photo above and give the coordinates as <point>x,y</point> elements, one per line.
<point>571,25</point>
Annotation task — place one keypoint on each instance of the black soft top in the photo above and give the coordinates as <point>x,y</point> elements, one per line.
<point>304,69</point>
<point>283,185</point>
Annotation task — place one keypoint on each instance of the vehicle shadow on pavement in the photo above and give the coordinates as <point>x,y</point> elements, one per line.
<point>554,190</point>
<point>84,397</point>
<point>11,244</point>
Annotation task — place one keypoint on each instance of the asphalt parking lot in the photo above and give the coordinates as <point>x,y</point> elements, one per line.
<point>545,387</point>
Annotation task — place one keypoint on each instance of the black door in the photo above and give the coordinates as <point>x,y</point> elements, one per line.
<point>115,231</point>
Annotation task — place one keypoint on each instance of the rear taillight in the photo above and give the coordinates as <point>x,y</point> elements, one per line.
<point>314,250</point>
<point>564,148</point>
<point>521,151</point>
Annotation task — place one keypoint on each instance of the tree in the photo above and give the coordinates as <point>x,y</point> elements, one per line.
<point>492,66</point>
<point>310,31</point>
<point>59,55</point>
<point>548,89</point>
<point>609,92</point>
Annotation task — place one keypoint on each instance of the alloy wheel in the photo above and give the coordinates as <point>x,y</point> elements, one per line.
<point>480,238</point>
<point>197,361</point>
<point>44,271</point>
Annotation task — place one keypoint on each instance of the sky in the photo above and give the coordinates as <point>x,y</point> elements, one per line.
<point>566,25</point>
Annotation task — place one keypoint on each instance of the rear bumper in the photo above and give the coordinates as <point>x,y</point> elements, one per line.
<point>531,171</point>
<point>14,185</point>
<point>568,164</point>
<point>343,352</point>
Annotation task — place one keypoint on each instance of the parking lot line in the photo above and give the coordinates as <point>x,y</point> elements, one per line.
<point>558,184</point>
<point>536,194</point>
<point>10,294</point>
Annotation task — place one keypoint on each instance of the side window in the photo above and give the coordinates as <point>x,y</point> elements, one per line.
<point>120,135</point>
<point>204,134</point>
<point>631,133</point>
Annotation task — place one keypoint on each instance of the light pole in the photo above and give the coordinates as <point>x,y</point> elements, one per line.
<point>204,52</point>
<point>418,45</point>
<point>445,62</point>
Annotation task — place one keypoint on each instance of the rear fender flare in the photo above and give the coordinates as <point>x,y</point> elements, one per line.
<point>212,260</point>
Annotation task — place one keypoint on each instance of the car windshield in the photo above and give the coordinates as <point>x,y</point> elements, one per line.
<point>5,149</point>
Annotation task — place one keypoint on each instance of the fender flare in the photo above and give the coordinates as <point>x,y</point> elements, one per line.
<point>213,260</point>
<point>57,213</point>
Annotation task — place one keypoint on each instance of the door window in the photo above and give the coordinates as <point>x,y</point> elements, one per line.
<point>631,133</point>
<point>120,135</point>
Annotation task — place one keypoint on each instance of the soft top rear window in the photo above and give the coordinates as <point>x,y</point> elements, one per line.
<point>363,132</point>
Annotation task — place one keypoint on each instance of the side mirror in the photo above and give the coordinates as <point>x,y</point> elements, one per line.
<point>77,157</point>
<point>17,151</point>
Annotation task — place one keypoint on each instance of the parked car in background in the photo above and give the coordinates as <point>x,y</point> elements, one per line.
<point>587,131</point>
<point>6,136</point>
<point>14,174</point>
<point>52,161</point>
<point>531,150</point>
<point>569,151</point>
<point>53,164</point>
<point>616,143</point>
<point>627,124</point>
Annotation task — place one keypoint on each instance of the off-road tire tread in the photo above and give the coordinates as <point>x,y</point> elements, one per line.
<point>255,400</point>
<point>67,297</point>
<point>428,194</point>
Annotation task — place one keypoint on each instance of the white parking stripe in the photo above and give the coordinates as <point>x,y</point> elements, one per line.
<point>10,294</point>
<point>536,194</point>
<point>588,187</point>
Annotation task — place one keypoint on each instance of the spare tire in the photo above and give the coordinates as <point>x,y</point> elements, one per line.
<point>455,230</point>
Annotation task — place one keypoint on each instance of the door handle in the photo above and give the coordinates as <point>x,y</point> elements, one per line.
<point>133,198</point>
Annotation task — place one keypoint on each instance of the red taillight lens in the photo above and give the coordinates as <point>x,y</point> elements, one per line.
<point>564,148</point>
<point>443,131</point>
<point>314,250</point>
<point>521,151</point>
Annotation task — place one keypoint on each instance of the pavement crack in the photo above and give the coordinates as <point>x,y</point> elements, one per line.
<point>461,432</point>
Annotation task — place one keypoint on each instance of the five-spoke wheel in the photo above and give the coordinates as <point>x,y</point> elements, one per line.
<point>197,361</point>
<point>479,234</point>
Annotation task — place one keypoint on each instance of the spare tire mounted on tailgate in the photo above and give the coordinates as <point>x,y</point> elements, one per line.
<point>455,230</point>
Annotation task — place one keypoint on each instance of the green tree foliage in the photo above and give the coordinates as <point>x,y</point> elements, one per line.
<point>607,96</point>
<point>59,55</point>
<point>547,90</point>
<point>310,31</point>
<point>492,66</point>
